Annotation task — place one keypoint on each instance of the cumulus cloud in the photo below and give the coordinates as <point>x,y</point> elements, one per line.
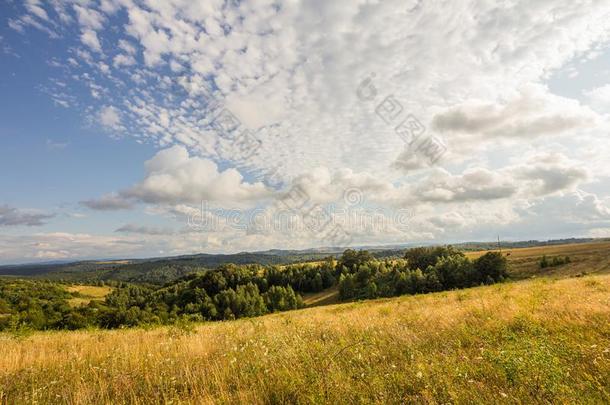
<point>174,177</point>
<point>531,113</point>
<point>473,185</point>
<point>10,216</point>
<point>550,173</point>
<point>537,175</point>
<point>35,8</point>
<point>575,207</point>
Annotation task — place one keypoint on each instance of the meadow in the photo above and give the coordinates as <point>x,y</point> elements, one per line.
<point>84,294</point>
<point>587,258</point>
<point>537,340</point>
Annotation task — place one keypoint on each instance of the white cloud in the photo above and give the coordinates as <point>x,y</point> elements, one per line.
<point>174,177</point>
<point>123,60</point>
<point>476,184</point>
<point>89,18</point>
<point>127,47</point>
<point>31,20</point>
<point>34,7</point>
<point>89,38</point>
<point>531,113</point>
<point>64,245</point>
<point>474,73</point>
<point>599,98</point>
<point>550,173</point>
<point>110,117</point>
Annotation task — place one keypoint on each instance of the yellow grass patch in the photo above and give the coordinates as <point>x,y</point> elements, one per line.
<point>87,294</point>
<point>325,297</point>
<point>587,258</point>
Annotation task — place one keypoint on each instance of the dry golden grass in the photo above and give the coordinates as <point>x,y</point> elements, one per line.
<point>587,258</point>
<point>542,340</point>
<point>326,297</point>
<point>87,293</point>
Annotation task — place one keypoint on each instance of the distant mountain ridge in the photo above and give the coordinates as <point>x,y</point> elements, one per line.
<point>159,270</point>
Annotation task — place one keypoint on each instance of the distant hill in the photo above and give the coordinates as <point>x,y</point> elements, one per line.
<point>161,270</point>
<point>155,270</point>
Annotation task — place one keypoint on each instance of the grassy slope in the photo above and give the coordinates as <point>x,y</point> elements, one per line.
<point>542,340</point>
<point>589,258</point>
<point>326,297</point>
<point>87,293</point>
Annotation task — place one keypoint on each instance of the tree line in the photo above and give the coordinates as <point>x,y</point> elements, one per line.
<point>235,291</point>
<point>422,270</point>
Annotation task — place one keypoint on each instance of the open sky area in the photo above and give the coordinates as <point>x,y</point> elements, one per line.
<point>164,127</point>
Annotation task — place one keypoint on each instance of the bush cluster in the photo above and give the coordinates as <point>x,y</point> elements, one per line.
<point>423,270</point>
<point>554,262</point>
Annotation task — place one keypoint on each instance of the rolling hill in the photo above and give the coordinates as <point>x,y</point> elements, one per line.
<point>543,341</point>
<point>544,338</point>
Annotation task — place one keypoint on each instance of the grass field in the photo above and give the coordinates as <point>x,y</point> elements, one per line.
<point>587,258</point>
<point>326,297</point>
<point>87,293</point>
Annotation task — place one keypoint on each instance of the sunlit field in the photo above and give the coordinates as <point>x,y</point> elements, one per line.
<point>544,340</point>
<point>586,258</point>
<point>87,293</point>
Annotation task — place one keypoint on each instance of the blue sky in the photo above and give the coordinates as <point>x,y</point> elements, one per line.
<point>124,124</point>
<point>54,153</point>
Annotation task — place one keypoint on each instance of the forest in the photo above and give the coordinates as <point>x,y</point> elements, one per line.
<point>235,291</point>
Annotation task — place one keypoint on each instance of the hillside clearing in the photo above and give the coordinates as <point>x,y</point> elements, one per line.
<point>325,297</point>
<point>87,293</point>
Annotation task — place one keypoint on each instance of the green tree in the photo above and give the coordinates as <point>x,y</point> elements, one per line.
<point>353,259</point>
<point>491,266</point>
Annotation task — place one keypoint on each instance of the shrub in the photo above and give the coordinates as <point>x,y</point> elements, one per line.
<point>554,262</point>
<point>353,259</point>
<point>492,266</point>
<point>423,257</point>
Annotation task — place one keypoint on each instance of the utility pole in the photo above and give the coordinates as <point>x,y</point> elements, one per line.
<point>499,246</point>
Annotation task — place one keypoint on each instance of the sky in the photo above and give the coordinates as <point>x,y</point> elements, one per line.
<point>167,127</point>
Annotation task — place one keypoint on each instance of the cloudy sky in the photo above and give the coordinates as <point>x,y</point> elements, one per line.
<point>162,127</point>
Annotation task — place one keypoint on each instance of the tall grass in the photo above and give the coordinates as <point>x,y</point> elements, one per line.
<point>545,341</point>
